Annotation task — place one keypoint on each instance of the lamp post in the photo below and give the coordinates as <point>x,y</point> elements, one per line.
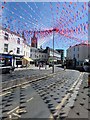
<point>53,51</point>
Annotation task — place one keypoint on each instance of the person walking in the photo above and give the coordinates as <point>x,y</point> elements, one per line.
<point>65,65</point>
<point>40,65</point>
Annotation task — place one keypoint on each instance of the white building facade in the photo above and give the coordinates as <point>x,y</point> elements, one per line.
<point>57,56</point>
<point>12,46</point>
<point>38,54</point>
<point>80,52</point>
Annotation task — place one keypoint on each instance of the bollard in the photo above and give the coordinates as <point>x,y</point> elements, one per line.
<point>89,80</point>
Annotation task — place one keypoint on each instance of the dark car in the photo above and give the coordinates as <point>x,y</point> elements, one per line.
<point>50,65</point>
<point>6,69</point>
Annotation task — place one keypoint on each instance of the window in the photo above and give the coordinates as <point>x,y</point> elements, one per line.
<point>74,48</point>
<point>74,56</point>
<point>78,48</point>
<point>78,55</point>
<point>18,41</point>
<point>24,52</point>
<point>30,55</point>
<point>31,50</point>
<point>5,47</point>
<point>18,50</point>
<point>6,36</point>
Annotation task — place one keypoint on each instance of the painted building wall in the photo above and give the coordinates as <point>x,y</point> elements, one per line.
<point>14,43</point>
<point>80,52</point>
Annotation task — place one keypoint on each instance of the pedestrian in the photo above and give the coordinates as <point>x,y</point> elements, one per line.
<point>65,65</point>
<point>40,65</point>
<point>45,65</point>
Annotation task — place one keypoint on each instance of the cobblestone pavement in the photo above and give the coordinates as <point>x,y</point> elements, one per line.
<point>21,73</point>
<point>63,95</point>
<point>81,107</point>
<point>54,97</point>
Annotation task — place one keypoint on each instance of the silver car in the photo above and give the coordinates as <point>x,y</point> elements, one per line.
<point>86,65</point>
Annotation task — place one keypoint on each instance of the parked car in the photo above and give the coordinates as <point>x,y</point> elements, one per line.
<point>6,69</point>
<point>86,65</point>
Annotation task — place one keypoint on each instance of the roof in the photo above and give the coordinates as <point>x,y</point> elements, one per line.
<point>52,50</point>
<point>11,32</point>
<point>79,45</point>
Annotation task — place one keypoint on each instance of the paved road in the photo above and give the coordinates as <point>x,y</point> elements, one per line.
<point>21,73</point>
<point>53,96</point>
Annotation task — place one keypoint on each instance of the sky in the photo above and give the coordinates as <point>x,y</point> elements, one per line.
<point>70,19</point>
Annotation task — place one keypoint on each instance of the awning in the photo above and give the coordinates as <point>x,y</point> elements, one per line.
<point>28,59</point>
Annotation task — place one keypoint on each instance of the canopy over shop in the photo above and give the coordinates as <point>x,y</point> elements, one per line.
<point>26,61</point>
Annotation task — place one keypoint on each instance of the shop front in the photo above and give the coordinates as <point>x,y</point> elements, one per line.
<point>26,61</point>
<point>5,63</point>
<point>5,60</point>
<point>18,61</point>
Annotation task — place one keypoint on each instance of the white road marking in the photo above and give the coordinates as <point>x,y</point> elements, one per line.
<point>10,116</point>
<point>65,98</point>
<point>20,110</point>
<point>16,115</point>
<point>75,82</point>
<point>5,93</point>
<point>13,110</point>
<point>25,86</point>
<point>29,99</point>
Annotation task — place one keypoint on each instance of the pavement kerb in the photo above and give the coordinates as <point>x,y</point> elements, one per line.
<point>32,67</point>
<point>29,81</point>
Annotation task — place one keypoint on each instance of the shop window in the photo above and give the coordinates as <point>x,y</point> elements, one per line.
<point>6,36</point>
<point>18,50</point>
<point>18,62</point>
<point>5,47</point>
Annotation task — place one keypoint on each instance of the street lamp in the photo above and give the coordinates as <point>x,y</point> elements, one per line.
<point>53,51</point>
